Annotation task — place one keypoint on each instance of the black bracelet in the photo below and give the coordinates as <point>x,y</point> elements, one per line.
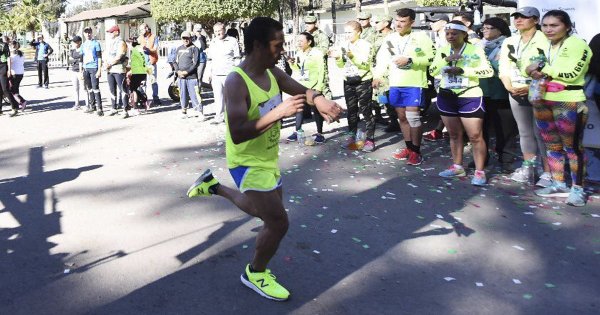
<point>315,96</point>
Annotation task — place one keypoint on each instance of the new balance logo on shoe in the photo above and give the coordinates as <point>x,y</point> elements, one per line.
<point>262,283</point>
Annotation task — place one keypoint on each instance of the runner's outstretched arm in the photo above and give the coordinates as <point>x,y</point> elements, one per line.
<point>330,110</point>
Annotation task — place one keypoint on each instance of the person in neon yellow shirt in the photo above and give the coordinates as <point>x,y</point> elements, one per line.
<point>135,76</point>
<point>515,53</point>
<point>460,99</point>
<point>308,68</point>
<point>406,55</point>
<point>355,60</point>
<point>562,114</point>
<point>254,110</point>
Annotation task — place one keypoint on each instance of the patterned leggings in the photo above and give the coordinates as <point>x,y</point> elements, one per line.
<point>561,127</point>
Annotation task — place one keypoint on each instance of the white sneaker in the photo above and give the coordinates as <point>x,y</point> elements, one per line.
<point>523,174</point>
<point>545,180</point>
<point>76,107</point>
<point>201,117</point>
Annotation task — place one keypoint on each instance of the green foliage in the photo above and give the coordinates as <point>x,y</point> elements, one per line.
<point>115,3</point>
<point>206,11</point>
<point>28,15</point>
<point>84,6</point>
<point>437,3</point>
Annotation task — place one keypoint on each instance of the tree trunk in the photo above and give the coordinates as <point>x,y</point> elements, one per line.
<point>358,6</point>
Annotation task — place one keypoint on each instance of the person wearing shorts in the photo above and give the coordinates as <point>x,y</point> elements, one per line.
<point>405,55</point>
<point>253,117</point>
<point>460,99</point>
<point>135,77</point>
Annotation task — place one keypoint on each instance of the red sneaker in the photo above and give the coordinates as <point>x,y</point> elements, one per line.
<point>414,158</point>
<point>433,135</point>
<point>402,154</point>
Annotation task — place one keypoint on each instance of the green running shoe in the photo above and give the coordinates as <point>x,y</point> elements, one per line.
<point>264,284</point>
<point>205,185</point>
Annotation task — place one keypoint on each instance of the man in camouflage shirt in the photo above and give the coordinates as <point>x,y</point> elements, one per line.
<point>383,27</point>
<point>368,32</point>
<point>322,43</point>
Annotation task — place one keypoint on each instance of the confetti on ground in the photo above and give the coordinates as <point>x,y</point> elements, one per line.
<point>356,239</point>
<point>316,252</point>
<point>549,285</point>
<point>479,284</point>
<point>365,246</point>
<point>333,231</point>
<point>421,217</point>
<point>571,248</point>
<point>527,296</point>
<point>517,281</point>
<point>518,247</point>
<point>244,246</point>
<point>449,279</point>
<point>67,271</point>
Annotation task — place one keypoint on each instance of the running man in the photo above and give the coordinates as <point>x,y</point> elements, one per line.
<point>254,110</point>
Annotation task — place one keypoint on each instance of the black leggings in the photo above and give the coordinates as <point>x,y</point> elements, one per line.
<point>135,86</point>
<point>5,88</point>
<point>15,83</point>
<point>358,100</point>
<point>92,84</point>
<point>499,115</point>
<point>316,115</point>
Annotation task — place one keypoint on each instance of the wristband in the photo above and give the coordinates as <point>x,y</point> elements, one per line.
<point>315,96</point>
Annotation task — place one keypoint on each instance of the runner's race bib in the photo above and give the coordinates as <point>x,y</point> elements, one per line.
<point>516,76</point>
<point>350,70</point>
<point>455,81</point>
<point>268,106</point>
<point>301,75</point>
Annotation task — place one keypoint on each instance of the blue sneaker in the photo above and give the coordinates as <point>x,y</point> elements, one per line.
<point>577,197</point>
<point>319,138</point>
<point>293,137</point>
<point>479,179</point>
<point>453,171</point>
<point>557,189</point>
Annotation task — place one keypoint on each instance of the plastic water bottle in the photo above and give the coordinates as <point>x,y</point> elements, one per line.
<point>300,134</point>
<point>529,167</point>
<point>360,139</point>
<point>537,90</point>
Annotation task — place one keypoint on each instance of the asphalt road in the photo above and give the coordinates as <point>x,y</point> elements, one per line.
<point>94,219</point>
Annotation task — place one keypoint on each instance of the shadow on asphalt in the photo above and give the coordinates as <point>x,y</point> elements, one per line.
<point>362,268</point>
<point>361,261</point>
<point>25,250</point>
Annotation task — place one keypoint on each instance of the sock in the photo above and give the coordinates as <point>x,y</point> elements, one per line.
<point>213,189</point>
<point>457,166</point>
<point>253,270</point>
<point>409,145</point>
<point>417,149</point>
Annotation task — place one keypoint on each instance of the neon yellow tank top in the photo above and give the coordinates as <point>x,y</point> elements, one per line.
<point>262,151</point>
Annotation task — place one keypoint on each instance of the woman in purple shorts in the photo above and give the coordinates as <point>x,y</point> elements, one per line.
<point>460,99</point>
